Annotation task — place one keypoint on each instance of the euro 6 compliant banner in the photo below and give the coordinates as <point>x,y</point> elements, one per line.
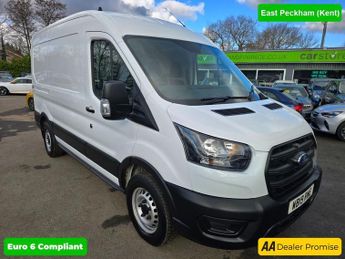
<point>45,246</point>
<point>300,246</point>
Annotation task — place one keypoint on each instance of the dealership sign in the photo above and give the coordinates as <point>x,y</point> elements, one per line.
<point>302,56</point>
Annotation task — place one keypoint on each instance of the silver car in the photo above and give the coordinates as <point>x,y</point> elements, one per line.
<point>330,118</point>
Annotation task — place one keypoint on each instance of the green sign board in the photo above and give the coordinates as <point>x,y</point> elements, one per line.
<point>299,13</point>
<point>298,56</point>
<point>319,74</point>
<point>204,59</point>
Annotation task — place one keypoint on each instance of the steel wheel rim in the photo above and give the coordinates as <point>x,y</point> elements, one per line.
<point>145,210</point>
<point>48,140</point>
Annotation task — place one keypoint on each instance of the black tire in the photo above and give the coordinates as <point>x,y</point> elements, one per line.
<point>50,143</point>
<point>31,104</point>
<point>3,91</point>
<point>164,229</point>
<point>341,131</point>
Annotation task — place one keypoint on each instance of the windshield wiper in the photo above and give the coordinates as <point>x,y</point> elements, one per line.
<point>222,99</point>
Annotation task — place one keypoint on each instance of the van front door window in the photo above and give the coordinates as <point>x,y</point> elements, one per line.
<point>107,65</point>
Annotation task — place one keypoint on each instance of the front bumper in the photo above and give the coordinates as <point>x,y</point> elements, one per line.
<point>323,124</point>
<point>198,215</point>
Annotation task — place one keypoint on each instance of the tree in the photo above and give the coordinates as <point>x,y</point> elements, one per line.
<point>3,31</point>
<point>233,33</point>
<point>49,11</point>
<point>283,36</point>
<point>21,19</point>
<point>242,30</point>
<point>216,33</point>
<point>307,41</point>
<point>240,33</point>
<point>17,66</point>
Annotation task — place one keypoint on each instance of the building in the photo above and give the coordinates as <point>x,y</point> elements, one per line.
<point>300,65</point>
<point>10,54</point>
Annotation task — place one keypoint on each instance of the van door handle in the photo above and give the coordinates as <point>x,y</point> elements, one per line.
<point>89,109</point>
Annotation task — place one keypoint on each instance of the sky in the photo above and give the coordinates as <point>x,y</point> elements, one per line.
<point>219,9</point>
<point>198,14</point>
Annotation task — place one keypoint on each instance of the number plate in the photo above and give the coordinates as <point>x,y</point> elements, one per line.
<point>301,199</point>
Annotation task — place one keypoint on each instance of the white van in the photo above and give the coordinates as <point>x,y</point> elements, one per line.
<point>161,113</point>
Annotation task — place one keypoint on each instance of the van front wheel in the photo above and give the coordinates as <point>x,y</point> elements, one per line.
<point>50,143</point>
<point>148,209</point>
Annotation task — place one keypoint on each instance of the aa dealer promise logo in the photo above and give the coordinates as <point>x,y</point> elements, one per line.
<point>300,246</point>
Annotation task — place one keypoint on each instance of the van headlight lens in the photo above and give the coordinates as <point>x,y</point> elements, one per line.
<point>214,152</point>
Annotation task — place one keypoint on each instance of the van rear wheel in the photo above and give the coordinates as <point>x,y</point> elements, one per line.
<point>148,209</point>
<point>50,143</point>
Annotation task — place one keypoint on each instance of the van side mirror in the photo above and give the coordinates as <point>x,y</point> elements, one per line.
<point>115,101</point>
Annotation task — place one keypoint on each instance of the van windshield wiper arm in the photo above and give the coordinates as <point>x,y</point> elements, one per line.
<point>222,99</point>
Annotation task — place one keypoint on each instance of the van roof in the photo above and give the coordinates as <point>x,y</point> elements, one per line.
<point>128,24</point>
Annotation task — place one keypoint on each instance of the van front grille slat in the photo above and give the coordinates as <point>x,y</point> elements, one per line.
<point>284,172</point>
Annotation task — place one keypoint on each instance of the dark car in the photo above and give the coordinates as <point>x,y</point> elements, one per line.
<point>299,94</point>
<point>316,100</point>
<point>328,90</point>
<point>276,94</point>
<point>335,92</point>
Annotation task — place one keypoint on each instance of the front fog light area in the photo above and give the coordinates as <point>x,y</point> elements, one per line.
<point>214,152</point>
<point>221,227</point>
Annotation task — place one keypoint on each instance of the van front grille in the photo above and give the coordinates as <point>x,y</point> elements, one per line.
<point>290,165</point>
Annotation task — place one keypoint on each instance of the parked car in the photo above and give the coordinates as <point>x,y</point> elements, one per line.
<point>335,92</point>
<point>5,76</point>
<point>20,85</point>
<point>316,100</point>
<point>6,73</point>
<point>284,83</point>
<point>329,90</point>
<point>161,113</point>
<point>276,94</point>
<point>300,95</point>
<point>330,118</point>
<point>30,101</point>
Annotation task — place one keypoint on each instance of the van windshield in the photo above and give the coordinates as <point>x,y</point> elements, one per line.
<point>190,73</point>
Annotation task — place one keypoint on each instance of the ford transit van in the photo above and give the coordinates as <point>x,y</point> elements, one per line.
<point>162,114</point>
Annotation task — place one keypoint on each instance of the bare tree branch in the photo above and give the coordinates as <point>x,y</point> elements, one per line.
<point>233,33</point>
<point>283,36</point>
<point>49,11</point>
<point>21,19</point>
<point>242,30</point>
<point>240,33</point>
<point>216,33</point>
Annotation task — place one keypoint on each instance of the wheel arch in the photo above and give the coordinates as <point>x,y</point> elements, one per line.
<point>128,165</point>
<point>40,118</point>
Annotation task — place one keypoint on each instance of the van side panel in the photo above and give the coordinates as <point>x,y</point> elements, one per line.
<point>60,75</point>
<point>63,90</point>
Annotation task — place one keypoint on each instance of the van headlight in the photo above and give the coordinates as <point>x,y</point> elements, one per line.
<point>214,152</point>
